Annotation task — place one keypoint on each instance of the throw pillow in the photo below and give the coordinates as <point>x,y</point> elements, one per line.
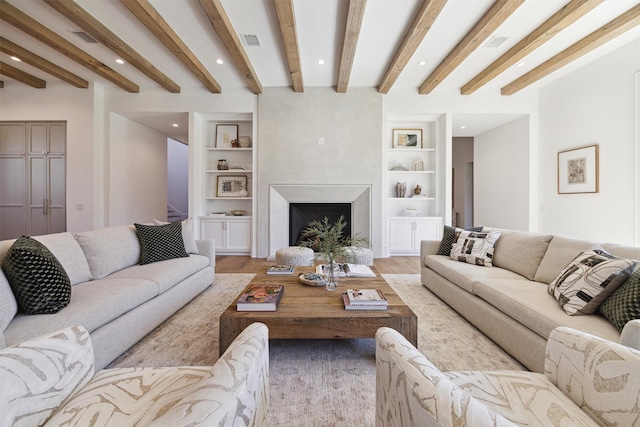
<point>475,247</point>
<point>588,280</point>
<point>38,280</point>
<point>624,303</point>
<point>450,236</point>
<point>160,242</point>
<point>188,236</point>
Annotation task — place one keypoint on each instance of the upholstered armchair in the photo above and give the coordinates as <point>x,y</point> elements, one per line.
<point>50,381</point>
<point>588,381</point>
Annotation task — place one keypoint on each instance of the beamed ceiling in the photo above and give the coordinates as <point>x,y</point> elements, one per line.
<point>430,45</point>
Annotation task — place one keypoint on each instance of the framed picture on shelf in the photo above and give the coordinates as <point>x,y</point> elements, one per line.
<point>407,138</point>
<point>578,170</point>
<point>231,186</point>
<point>226,136</point>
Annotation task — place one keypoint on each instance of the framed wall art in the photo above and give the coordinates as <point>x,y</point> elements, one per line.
<point>578,170</point>
<point>407,138</point>
<point>231,186</point>
<point>226,136</point>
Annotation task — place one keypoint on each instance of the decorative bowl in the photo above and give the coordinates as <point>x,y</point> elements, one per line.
<point>312,279</point>
<point>238,212</point>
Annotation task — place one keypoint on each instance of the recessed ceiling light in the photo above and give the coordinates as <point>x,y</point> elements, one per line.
<point>175,125</point>
<point>463,127</point>
<point>422,62</point>
<point>320,61</point>
<point>120,61</point>
<point>15,58</point>
<point>219,61</point>
<point>520,64</point>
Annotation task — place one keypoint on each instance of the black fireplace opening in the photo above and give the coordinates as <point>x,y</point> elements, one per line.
<point>301,214</point>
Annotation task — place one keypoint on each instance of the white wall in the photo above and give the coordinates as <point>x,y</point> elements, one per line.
<point>178,175</point>
<point>137,173</point>
<point>501,176</point>
<point>60,101</point>
<point>594,105</point>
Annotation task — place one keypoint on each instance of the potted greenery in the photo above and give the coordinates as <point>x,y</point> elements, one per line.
<point>331,246</point>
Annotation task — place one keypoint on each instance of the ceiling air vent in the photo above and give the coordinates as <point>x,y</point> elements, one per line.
<point>85,37</point>
<point>250,40</point>
<point>495,41</point>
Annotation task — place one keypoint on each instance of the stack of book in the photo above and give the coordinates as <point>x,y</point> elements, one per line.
<point>260,298</point>
<point>350,270</point>
<point>280,269</point>
<point>364,299</point>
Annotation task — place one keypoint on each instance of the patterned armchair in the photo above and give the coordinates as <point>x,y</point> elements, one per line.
<point>50,381</point>
<point>588,381</point>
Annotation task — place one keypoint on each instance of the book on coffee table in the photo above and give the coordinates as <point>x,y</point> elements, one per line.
<point>350,270</point>
<point>366,297</point>
<point>260,298</point>
<point>349,306</point>
<point>280,269</point>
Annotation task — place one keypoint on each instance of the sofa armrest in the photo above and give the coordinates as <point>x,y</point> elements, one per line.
<point>630,335</point>
<point>600,376</point>
<point>207,248</point>
<point>428,247</point>
<point>410,390</point>
<point>39,375</point>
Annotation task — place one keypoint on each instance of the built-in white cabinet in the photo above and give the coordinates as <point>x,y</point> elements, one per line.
<point>411,179</point>
<point>405,234</point>
<point>232,235</point>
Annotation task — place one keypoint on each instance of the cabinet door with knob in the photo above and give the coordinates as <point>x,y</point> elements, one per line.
<point>232,235</point>
<point>406,234</point>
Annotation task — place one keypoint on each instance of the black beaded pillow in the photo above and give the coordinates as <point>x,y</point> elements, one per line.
<point>624,303</point>
<point>38,280</point>
<point>161,242</point>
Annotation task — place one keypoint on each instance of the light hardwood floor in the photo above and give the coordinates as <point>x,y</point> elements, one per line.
<point>245,264</point>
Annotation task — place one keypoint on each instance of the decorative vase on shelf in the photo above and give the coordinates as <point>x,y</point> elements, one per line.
<point>401,189</point>
<point>223,165</point>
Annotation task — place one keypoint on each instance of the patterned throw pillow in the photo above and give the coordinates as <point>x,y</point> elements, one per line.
<point>624,303</point>
<point>450,236</point>
<point>588,280</point>
<point>38,280</point>
<point>475,247</point>
<point>160,242</point>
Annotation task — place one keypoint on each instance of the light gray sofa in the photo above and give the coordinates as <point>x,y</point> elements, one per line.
<point>509,302</point>
<point>117,300</point>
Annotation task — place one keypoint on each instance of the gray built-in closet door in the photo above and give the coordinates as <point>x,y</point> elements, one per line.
<point>32,178</point>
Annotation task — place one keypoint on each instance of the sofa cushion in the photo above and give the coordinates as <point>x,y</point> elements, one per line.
<point>160,242</point>
<point>623,304</point>
<point>110,249</point>
<point>450,236</point>
<point>475,247</point>
<point>165,273</point>
<point>520,252</point>
<point>560,252</point>
<point>65,247</point>
<point>8,303</point>
<point>188,236</point>
<point>93,304</point>
<point>465,275</point>
<point>37,278</point>
<point>588,280</point>
<point>39,375</point>
<point>530,304</point>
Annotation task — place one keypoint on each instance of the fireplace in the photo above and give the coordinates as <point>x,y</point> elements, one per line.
<point>301,214</point>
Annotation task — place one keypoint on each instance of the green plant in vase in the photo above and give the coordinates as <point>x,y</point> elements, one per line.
<point>331,246</point>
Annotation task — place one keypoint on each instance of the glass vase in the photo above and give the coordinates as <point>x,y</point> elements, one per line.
<point>332,271</point>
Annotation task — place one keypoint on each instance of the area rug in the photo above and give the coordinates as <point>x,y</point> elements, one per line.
<point>319,382</point>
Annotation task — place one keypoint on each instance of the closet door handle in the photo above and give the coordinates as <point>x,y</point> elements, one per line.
<point>44,206</point>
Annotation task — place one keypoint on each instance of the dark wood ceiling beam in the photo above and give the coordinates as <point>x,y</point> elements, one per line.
<point>491,20</point>
<point>351,35</point>
<point>10,48</point>
<point>552,26</point>
<point>607,32</point>
<point>76,14</point>
<point>21,76</point>
<point>151,19</point>
<point>227,34</point>
<point>287,23</point>
<point>424,19</point>
<point>25,23</point>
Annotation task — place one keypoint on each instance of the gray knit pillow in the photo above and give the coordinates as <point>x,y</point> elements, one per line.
<point>160,242</point>
<point>38,280</point>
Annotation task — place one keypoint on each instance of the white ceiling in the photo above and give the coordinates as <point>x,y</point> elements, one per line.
<point>320,29</point>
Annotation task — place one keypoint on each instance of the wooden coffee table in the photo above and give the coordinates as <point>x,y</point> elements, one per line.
<point>307,312</point>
